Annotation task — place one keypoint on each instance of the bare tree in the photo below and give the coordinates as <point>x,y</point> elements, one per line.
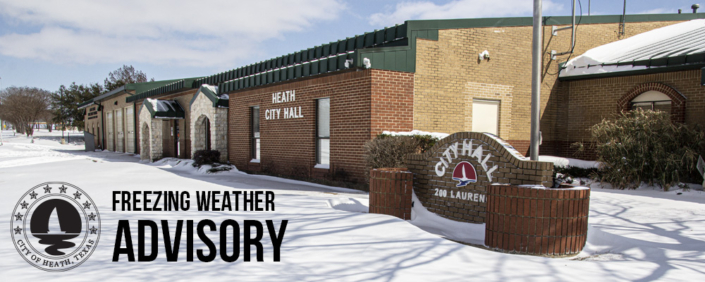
<point>124,75</point>
<point>24,106</point>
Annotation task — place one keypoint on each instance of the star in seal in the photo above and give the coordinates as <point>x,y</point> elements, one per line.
<point>86,205</point>
<point>91,216</point>
<point>93,230</point>
<point>62,189</point>
<point>47,189</point>
<point>24,204</point>
<point>33,195</point>
<point>18,230</point>
<point>77,195</point>
<point>18,216</point>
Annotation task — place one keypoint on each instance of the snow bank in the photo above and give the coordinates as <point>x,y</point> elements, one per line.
<point>566,162</point>
<point>348,204</point>
<point>458,231</point>
<point>187,166</point>
<point>416,132</point>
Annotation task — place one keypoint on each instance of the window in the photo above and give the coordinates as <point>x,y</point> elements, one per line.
<point>485,116</point>
<point>255,134</point>
<point>323,133</point>
<point>652,100</point>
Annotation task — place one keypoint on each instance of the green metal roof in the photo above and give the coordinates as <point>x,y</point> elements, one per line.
<point>144,86</point>
<point>391,48</point>
<point>164,109</point>
<point>85,104</point>
<point>136,87</point>
<point>175,85</point>
<point>320,59</point>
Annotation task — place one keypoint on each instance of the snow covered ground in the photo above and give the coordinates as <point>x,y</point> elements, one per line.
<point>640,235</point>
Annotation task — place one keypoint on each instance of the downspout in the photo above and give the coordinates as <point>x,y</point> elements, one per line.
<point>134,121</point>
<point>102,125</point>
<point>624,18</point>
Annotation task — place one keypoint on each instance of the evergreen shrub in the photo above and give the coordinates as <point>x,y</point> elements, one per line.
<point>645,146</point>
<point>202,157</point>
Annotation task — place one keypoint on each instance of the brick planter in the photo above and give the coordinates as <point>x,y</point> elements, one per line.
<point>536,220</point>
<point>390,191</point>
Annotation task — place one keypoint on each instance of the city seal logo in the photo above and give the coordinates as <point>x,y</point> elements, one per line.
<point>55,226</point>
<point>464,173</point>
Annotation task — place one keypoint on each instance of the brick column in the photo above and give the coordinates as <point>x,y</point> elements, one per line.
<point>537,220</point>
<point>390,192</point>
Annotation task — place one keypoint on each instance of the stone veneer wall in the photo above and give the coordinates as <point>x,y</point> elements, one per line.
<point>155,130</point>
<point>202,108</point>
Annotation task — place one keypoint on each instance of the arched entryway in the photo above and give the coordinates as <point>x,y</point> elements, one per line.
<point>145,143</point>
<point>202,134</point>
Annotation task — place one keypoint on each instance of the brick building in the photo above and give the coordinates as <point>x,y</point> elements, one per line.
<point>111,119</point>
<point>430,75</point>
<point>310,112</point>
<point>662,69</point>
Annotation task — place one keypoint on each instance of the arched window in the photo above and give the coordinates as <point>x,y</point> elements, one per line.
<point>652,100</point>
<point>654,96</point>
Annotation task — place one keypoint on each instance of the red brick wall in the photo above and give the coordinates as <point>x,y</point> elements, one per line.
<point>392,101</point>
<point>288,146</point>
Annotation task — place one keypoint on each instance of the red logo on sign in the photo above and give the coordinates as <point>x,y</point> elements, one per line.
<point>464,173</point>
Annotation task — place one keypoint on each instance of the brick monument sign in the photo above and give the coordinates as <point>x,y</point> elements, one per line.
<point>452,177</point>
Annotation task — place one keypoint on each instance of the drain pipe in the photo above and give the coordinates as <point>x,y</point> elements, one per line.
<point>537,46</point>
<point>624,18</point>
<point>134,127</point>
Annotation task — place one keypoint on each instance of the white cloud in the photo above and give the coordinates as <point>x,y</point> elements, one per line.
<point>458,9</point>
<point>178,32</point>
<point>659,11</point>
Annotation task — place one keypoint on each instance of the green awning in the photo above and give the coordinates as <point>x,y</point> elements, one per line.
<point>164,109</point>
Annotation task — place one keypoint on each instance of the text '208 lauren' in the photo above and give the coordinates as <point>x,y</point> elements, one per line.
<point>205,239</point>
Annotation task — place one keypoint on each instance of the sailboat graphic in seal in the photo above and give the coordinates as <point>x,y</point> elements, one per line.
<point>54,226</point>
<point>54,222</point>
<point>464,173</point>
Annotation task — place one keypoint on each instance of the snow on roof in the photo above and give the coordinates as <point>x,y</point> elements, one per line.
<point>212,88</point>
<point>679,39</point>
<point>165,108</point>
<point>161,105</point>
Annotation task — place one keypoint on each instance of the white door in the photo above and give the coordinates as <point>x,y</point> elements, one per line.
<point>130,127</point>
<point>120,140</point>
<point>485,116</point>
<point>109,130</point>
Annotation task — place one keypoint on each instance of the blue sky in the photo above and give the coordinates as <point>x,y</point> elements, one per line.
<point>48,43</point>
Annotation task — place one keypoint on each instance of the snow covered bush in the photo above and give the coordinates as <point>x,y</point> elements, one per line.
<point>202,157</point>
<point>645,146</point>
